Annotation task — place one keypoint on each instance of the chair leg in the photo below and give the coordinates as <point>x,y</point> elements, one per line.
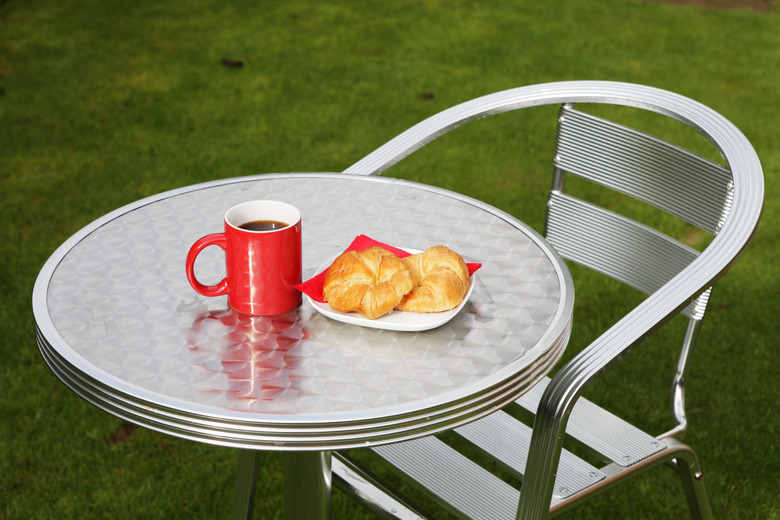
<point>687,465</point>
<point>246,482</point>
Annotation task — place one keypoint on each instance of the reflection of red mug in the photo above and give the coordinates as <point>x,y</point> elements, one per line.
<point>262,243</point>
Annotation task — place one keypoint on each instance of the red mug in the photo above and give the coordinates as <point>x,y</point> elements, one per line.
<point>262,266</point>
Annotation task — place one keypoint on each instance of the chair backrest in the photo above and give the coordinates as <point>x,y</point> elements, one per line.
<point>668,177</point>
<point>653,171</point>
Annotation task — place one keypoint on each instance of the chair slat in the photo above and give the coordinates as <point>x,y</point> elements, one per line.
<point>670,178</point>
<point>614,245</point>
<point>463,487</point>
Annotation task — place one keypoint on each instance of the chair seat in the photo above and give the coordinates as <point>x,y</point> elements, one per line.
<point>505,439</point>
<point>601,431</point>
<point>470,491</point>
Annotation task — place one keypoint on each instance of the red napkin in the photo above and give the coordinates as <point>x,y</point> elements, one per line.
<point>313,286</point>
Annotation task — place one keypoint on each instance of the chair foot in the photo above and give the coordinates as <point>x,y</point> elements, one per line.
<point>687,465</point>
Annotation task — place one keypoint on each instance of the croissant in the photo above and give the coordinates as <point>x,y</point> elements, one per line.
<point>441,280</point>
<point>371,282</point>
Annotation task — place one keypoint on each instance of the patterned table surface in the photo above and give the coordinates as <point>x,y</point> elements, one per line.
<point>118,322</point>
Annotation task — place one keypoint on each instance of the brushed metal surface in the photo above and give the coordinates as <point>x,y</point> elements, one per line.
<point>118,322</point>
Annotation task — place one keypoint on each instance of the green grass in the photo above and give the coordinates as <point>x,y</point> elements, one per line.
<point>102,103</point>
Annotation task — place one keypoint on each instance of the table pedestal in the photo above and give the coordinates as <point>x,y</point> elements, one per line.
<point>307,484</point>
<point>246,483</point>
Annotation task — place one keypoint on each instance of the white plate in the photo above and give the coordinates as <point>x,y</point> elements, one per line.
<point>395,320</point>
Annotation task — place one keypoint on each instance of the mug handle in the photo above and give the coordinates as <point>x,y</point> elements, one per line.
<point>215,239</point>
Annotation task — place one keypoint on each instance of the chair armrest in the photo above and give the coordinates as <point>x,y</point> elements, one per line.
<point>573,378</point>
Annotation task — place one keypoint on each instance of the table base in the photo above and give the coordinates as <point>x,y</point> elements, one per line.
<point>307,484</point>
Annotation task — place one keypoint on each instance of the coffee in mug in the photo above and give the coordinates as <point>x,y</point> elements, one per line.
<point>263,225</point>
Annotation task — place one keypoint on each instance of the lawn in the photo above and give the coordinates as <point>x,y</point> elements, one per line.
<point>103,103</point>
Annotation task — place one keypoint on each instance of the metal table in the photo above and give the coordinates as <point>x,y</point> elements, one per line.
<point>118,323</point>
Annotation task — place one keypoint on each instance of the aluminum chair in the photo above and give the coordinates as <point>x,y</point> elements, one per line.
<point>724,201</point>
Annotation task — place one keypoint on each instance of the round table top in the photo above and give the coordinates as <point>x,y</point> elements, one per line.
<point>117,321</point>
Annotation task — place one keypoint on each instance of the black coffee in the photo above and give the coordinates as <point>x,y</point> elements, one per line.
<point>263,225</point>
